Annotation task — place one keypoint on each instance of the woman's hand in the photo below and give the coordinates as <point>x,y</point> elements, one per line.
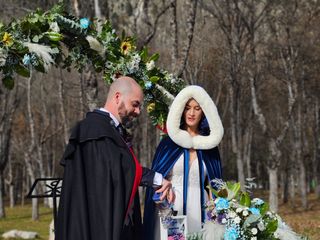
<point>166,190</point>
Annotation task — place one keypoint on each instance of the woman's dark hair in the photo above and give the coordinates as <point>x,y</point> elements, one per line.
<point>203,127</point>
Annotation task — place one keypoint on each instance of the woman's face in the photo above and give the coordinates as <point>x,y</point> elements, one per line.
<point>192,114</point>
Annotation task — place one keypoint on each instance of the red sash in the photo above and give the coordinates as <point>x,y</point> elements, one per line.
<point>136,182</point>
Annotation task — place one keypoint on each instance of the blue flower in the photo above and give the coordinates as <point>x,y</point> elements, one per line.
<point>84,23</point>
<point>26,59</point>
<point>221,204</point>
<point>148,85</point>
<point>231,234</point>
<point>254,210</point>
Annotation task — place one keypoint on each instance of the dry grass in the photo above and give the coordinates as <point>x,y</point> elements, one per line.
<point>306,222</point>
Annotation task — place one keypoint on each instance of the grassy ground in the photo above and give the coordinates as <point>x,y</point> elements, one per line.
<point>306,222</point>
<point>20,218</point>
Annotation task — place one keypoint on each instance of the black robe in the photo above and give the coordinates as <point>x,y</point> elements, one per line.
<point>99,172</point>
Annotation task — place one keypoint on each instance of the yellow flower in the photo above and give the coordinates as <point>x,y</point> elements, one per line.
<point>126,47</point>
<point>151,107</point>
<point>7,39</point>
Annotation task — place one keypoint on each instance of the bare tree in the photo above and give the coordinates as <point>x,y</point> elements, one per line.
<point>8,103</point>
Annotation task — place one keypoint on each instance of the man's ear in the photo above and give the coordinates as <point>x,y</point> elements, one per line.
<point>117,97</point>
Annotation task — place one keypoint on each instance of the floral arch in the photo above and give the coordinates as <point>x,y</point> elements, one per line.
<point>54,37</point>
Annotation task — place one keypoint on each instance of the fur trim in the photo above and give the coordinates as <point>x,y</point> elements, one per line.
<point>182,137</point>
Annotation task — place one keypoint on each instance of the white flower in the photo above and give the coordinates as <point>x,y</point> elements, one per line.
<point>276,234</point>
<point>254,231</point>
<point>3,57</point>
<point>136,58</point>
<point>232,214</point>
<point>223,220</point>
<point>261,226</point>
<point>54,27</point>
<point>239,210</point>
<point>133,65</point>
<point>245,213</point>
<point>171,78</point>
<point>96,45</point>
<point>150,65</point>
<point>237,220</point>
<point>253,238</point>
<point>269,214</point>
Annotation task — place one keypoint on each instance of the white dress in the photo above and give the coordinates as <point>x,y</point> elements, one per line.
<point>193,195</point>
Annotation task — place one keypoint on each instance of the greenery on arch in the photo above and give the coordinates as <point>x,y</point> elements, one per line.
<point>54,37</point>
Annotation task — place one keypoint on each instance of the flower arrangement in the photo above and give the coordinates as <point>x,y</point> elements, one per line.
<point>233,215</point>
<point>54,37</point>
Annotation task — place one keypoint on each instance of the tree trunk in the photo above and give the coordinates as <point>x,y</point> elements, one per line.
<point>97,9</point>
<point>29,155</point>
<point>316,151</point>
<point>174,30</point>
<point>285,186</point>
<point>35,203</point>
<point>236,133</point>
<point>91,87</point>
<point>11,185</point>
<point>273,196</point>
<point>292,188</point>
<point>303,184</point>
<point>2,209</point>
<point>62,109</point>
<point>247,150</point>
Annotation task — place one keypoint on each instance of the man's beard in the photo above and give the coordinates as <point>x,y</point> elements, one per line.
<point>126,119</point>
<point>127,122</point>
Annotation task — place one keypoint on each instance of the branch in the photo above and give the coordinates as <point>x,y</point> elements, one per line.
<point>155,25</point>
<point>190,29</point>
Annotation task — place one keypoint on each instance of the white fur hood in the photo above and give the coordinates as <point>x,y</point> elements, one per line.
<point>182,137</point>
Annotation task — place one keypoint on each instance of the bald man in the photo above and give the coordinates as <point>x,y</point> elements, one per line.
<point>99,199</point>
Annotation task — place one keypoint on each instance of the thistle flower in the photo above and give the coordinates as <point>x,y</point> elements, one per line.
<point>254,211</point>
<point>7,39</point>
<point>221,204</point>
<point>26,59</point>
<point>148,85</point>
<point>84,23</point>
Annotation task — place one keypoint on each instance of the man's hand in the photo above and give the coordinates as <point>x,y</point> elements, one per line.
<point>166,190</point>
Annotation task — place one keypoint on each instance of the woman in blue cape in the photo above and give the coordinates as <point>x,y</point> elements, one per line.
<point>189,157</point>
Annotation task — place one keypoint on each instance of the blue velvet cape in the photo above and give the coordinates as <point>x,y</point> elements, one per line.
<point>165,157</point>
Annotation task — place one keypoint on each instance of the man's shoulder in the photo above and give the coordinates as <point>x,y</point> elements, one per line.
<point>94,126</point>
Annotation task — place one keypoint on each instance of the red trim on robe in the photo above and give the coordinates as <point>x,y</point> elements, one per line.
<point>137,180</point>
